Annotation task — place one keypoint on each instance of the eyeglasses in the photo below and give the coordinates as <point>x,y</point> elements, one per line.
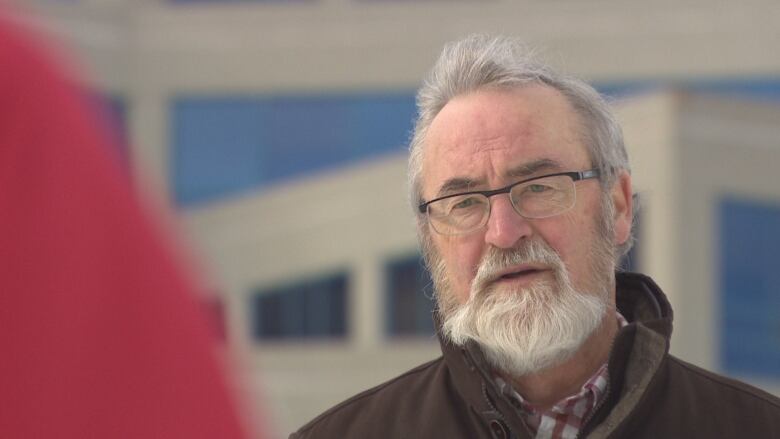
<point>538,197</point>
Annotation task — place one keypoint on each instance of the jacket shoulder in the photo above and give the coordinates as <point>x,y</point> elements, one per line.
<point>714,406</point>
<point>364,411</point>
<point>727,389</point>
<point>684,400</point>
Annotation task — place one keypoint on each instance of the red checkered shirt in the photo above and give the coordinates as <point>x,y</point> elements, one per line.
<point>564,419</point>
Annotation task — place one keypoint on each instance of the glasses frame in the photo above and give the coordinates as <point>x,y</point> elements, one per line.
<point>574,175</point>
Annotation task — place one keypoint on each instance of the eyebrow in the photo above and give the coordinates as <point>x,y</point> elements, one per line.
<point>534,167</point>
<point>458,184</point>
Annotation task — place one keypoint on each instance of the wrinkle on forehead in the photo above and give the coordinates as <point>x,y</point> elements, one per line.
<point>488,131</point>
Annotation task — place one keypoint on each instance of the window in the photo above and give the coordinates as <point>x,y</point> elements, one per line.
<point>409,298</point>
<point>766,89</point>
<point>749,251</point>
<point>758,89</point>
<point>225,145</point>
<point>315,308</point>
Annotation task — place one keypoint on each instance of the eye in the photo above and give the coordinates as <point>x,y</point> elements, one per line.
<point>538,188</point>
<point>465,203</point>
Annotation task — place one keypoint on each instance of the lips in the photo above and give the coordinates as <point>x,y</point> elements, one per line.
<point>519,272</point>
<point>512,276</point>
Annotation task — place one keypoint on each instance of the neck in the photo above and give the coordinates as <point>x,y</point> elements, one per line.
<point>545,388</point>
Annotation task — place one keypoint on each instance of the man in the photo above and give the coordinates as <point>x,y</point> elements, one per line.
<point>522,188</point>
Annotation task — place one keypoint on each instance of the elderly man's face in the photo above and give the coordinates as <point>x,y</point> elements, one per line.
<point>492,138</point>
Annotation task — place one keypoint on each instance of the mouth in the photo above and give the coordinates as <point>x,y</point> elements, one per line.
<point>522,273</point>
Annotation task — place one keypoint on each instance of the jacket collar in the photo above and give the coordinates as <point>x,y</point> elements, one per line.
<point>641,301</point>
<point>649,315</point>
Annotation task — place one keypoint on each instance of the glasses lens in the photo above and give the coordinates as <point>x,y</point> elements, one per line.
<point>460,214</point>
<point>543,197</point>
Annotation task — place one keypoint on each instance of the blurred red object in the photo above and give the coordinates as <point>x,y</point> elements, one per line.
<point>101,335</point>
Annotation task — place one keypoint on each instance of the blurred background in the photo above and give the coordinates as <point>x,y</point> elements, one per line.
<point>276,130</point>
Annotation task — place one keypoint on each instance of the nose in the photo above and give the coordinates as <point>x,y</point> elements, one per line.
<point>505,226</point>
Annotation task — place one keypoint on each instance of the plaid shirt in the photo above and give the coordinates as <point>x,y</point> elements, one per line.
<point>564,419</point>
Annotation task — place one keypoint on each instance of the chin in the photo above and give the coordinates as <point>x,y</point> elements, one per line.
<point>517,362</point>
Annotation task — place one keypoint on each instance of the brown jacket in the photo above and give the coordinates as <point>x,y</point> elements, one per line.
<point>651,394</point>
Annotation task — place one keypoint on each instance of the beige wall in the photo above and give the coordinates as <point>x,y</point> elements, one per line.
<point>649,124</point>
<point>353,43</point>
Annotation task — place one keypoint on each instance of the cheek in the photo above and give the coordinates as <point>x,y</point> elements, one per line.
<point>570,236</point>
<point>461,256</point>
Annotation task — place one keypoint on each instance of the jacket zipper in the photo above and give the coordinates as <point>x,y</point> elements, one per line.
<point>467,356</point>
<point>501,415</point>
<point>490,403</point>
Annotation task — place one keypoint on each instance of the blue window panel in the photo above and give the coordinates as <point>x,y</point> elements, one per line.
<point>315,308</point>
<point>215,147</point>
<point>623,89</point>
<point>761,89</point>
<point>409,298</point>
<point>321,132</point>
<point>750,282</point>
<point>766,89</point>
<point>223,146</point>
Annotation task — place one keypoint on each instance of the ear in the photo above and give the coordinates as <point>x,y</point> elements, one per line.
<point>622,199</point>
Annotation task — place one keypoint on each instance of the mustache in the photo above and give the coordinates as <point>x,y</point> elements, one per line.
<point>496,260</point>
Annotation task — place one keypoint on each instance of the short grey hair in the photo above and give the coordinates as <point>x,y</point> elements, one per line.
<point>481,62</point>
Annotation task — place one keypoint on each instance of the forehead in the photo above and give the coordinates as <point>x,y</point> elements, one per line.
<point>485,136</point>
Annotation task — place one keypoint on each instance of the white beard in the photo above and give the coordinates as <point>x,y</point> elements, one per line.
<point>525,330</point>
